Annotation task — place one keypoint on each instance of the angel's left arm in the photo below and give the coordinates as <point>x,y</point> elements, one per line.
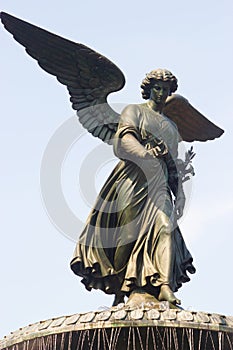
<point>174,177</point>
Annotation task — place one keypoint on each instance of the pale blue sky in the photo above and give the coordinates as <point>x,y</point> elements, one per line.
<point>194,41</point>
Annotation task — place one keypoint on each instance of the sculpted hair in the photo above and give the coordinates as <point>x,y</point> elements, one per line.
<point>155,75</point>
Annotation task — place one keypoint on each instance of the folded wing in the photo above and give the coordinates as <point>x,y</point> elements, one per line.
<point>192,125</point>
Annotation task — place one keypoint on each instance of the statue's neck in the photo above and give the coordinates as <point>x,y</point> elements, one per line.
<point>157,107</point>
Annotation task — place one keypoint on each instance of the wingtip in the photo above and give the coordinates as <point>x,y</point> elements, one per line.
<point>4,16</point>
<point>221,132</point>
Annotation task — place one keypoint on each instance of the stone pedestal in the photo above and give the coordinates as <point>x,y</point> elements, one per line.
<point>147,327</point>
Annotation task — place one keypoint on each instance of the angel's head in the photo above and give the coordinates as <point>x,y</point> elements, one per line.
<point>158,75</point>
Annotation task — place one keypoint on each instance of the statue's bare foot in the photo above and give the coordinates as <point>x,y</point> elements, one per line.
<point>166,294</point>
<point>119,299</point>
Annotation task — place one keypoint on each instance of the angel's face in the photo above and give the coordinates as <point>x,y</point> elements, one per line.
<point>160,91</point>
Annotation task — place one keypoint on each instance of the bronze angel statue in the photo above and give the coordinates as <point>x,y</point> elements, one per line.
<point>131,245</point>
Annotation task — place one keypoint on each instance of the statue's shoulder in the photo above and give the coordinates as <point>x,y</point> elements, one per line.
<point>170,121</point>
<point>132,109</point>
<point>133,106</point>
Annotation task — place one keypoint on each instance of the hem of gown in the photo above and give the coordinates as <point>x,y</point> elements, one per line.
<point>93,279</point>
<point>112,283</point>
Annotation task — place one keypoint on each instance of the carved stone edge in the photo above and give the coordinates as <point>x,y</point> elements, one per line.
<point>122,316</point>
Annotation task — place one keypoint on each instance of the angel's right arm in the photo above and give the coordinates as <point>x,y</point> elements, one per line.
<point>127,144</point>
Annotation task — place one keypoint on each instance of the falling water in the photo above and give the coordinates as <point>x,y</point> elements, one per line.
<point>131,338</point>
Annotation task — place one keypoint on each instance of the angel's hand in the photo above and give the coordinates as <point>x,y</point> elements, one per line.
<point>179,206</point>
<point>159,150</point>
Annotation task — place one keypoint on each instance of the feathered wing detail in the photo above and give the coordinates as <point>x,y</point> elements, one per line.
<point>192,125</point>
<point>89,76</point>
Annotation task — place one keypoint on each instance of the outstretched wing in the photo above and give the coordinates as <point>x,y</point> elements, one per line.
<point>192,125</point>
<point>89,76</point>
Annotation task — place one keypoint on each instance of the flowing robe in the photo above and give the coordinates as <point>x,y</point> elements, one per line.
<point>131,238</point>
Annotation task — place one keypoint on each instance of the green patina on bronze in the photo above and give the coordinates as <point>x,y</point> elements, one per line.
<point>131,244</point>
